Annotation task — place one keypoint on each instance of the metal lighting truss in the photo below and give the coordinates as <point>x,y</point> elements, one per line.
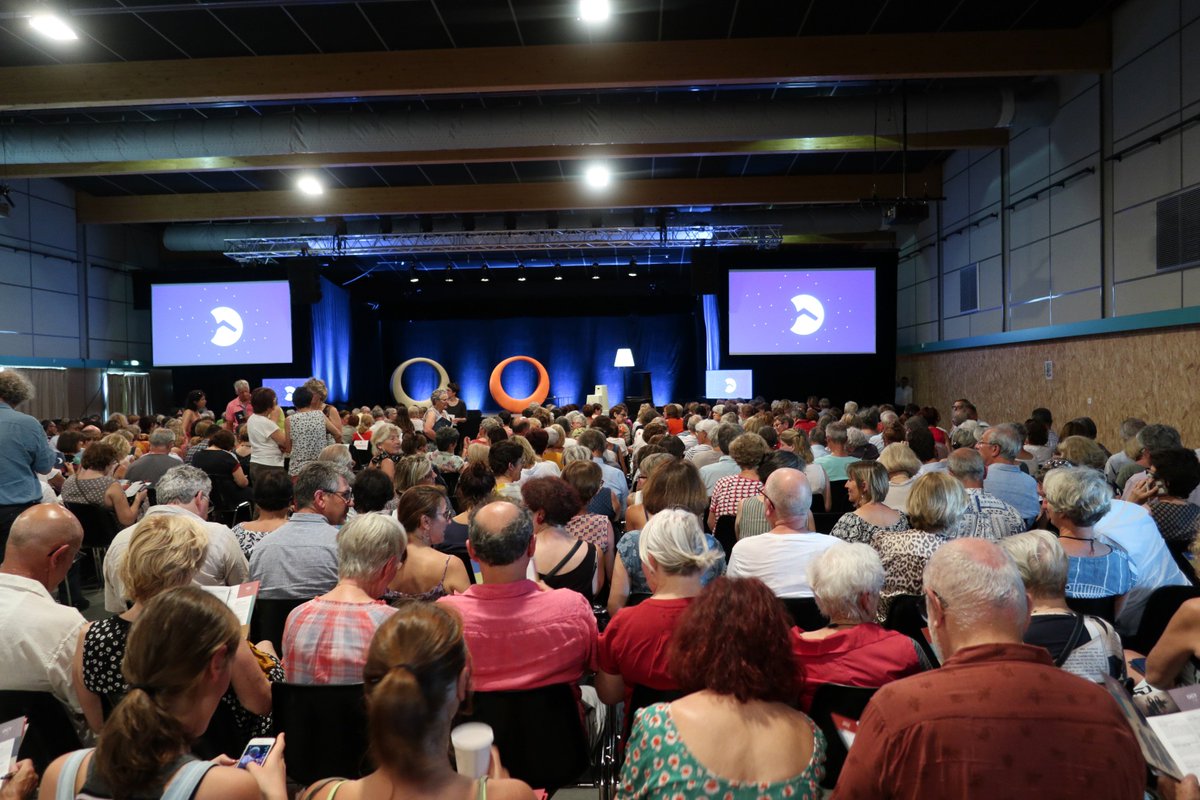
<point>258,250</point>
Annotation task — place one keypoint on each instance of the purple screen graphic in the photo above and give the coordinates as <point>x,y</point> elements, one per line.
<point>221,323</point>
<point>801,312</point>
<point>283,388</point>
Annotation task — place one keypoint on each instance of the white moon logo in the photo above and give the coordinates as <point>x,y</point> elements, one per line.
<point>229,326</point>
<point>810,315</point>
<point>730,386</point>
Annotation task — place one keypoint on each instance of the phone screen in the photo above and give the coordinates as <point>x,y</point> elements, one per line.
<point>256,751</point>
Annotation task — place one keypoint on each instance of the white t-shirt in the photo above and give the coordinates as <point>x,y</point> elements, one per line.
<point>779,560</point>
<point>263,449</point>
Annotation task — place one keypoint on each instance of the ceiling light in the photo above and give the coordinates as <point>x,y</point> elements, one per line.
<point>597,176</point>
<point>309,184</point>
<point>557,271</point>
<point>594,10</point>
<point>483,277</point>
<point>521,273</point>
<point>595,271</point>
<point>52,26</point>
<point>633,273</point>
<point>412,275</point>
<point>449,274</point>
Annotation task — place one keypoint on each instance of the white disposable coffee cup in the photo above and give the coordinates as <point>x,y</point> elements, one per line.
<point>472,748</point>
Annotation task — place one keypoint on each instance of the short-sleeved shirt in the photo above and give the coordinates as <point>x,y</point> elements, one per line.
<point>327,642</point>
<point>151,467</point>
<point>594,529</point>
<point>24,452</point>
<point>660,765</point>
<point>263,449</point>
<point>780,560</point>
<point>988,517</point>
<point>1097,652</point>
<point>1177,522</point>
<point>728,491</point>
<point>635,643</point>
<point>904,555</point>
<point>90,491</point>
<point>835,466</point>
<point>1092,577</point>
<point>1014,487</point>
<point>850,527</point>
<point>627,551</point>
<point>309,438</point>
<point>298,561</point>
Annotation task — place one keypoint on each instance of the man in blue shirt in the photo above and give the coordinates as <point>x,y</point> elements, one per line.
<point>24,452</point>
<point>999,446</point>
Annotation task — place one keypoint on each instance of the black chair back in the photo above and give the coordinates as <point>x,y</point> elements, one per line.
<point>223,735</point>
<point>804,612</point>
<point>726,533</point>
<point>1104,607</point>
<point>326,729</point>
<point>825,520</point>
<point>1160,607</point>
<point>637,597</point>
<point>1180,553</point>
<point>839,498</point>
<point>904,616</point>
<point>50,732</point>
<point>539,733</point>
<point>99,524</point>
<point>360,456</point>
<point>846,701</point>
<point>268,619</point>
<point>643,697</point>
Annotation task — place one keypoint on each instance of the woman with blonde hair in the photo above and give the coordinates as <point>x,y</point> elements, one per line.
<point>902,465</point>
<point>416,470</point>
<point>385,449</point>
<point>477,453</point>
<point>418,675</point>
<point>867,485</point>
<point>178,662</point>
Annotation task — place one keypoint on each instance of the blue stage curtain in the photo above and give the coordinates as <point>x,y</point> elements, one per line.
<point>331,340</point>
<point>712,331</point>
<point>578,353</point>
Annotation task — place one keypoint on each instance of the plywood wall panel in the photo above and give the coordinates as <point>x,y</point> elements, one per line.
<point>1154,375</point>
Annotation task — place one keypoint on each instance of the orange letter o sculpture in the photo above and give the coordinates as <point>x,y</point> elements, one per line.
<point>511,403</point>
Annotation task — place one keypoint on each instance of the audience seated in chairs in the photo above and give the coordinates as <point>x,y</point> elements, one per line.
<point>633,649</point>
<point>1083,644</point>
<point>751,517</point>
<point>867,486</point>
<point>155,463</point>
<point>747,451</point>
<point>737,725</point>
<point>561,560</point>
<point>182,491</point>
<point>164,553</point>
<point>852,649</point>
<point>418,674</point>
<point>591,527</point>
<point>902,466</point>
<point>230,484</point>
<point>986,516</point>
<point>273,499</point>
<point>385,449</point>
<point>780,556</point>
<point>299,560</point>
<point>978,611</point>
<point>475,484</point>
<point>373,492</point>
<point>326,639</point>
<point>179,661</point>
<point>40,636</point>
<point>675,484</point>
<point>936,503</point>
<point>95,485</point>
<point>428,574</point>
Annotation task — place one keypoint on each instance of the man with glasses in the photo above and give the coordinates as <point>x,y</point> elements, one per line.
<point>998,719</point>
<point>779,558</point>
<point>999,446</point>
<point>300,560</point>
<point>181,490</point>
<point>39,635</point>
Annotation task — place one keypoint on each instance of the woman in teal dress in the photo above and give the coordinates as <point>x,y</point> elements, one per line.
<point>735,735</point>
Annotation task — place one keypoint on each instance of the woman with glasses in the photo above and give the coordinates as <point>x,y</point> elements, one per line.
<point>428,574</point>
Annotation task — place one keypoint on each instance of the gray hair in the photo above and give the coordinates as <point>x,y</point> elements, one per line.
<point>1151,437</point>
<point>673,536</point>
<point>1130,426</point>
<point>1008,439</point>
<point>840,575</point>
<point>899,457</point>
<point>1041,561</point>
<point>707,427</point>
<point>575,452</point>
<point>966,465</point>
<point>337,454</point>
<point>888,417</point>
<point>318,476</point>
<point>967,434</point>
<point>439,394</point>
<point>162,438</point>
<point>789,492</point>
<point>503,547</point>
<point>576,416</point>
<point>836,432</point>
<point>15,388</point>
<point>976,581</point>
<point>241,386</point>
<point>1078,493</point>
<point>726,433</point>
<point>693,421</point>
<point>179,485</point>
<point>366,542</point>
<point>855,438</point>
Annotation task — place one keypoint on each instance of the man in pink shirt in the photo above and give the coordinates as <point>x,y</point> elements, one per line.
<point>519,635</point>
<point>238,410</point>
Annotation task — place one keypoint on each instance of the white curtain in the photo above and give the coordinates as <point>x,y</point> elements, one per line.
<point>129,393</point>
<point>49,393</point>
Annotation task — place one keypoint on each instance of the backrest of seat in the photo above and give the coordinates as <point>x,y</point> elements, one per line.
<point>839,498</point>
<point>268,619</point>
<point>1160,607</point>
<point>50,732</point>
<point>846,701</point>
<point>539,733</point>
<point>99,524</point>
<point>726,533</point>
<point>223,735</point>
<point>904,616</point>
<point>1104,607</point>
<point>643,697</point>
<point>326,729</point>
<point>804,612</point>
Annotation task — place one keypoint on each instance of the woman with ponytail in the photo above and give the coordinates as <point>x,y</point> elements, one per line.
<point>417,675</point>
<point>178,661</point>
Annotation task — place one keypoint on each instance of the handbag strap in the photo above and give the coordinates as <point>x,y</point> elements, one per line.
<point>65,790</point>
<point>183,785</point>
<point>565,559</point>
<point>1072,641</point>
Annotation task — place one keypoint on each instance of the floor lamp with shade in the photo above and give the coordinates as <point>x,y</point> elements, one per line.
<point>624,361</point>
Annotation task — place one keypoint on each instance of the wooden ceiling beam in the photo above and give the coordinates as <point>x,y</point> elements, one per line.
<point>500,198</point>
<point>954,140</point>
<point>573,67</point>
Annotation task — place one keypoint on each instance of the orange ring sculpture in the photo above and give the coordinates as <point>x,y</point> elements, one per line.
<point>510,403</point>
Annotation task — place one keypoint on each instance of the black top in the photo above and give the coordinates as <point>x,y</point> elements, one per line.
<point>1052,631</point>
<point>578,579</point>
<point>220,465</point>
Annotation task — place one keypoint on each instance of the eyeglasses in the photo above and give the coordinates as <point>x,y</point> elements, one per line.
<point>924,606</point>
<point>347,496</point>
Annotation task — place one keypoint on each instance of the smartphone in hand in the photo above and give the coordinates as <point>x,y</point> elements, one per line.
<point>256,750</point>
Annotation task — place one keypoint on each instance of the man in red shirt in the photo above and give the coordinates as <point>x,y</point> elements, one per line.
<point>998,720</point>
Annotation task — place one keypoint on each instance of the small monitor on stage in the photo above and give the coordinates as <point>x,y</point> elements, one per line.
<point>283,389</point>
<point>728,384</point>
<point>242,322</point>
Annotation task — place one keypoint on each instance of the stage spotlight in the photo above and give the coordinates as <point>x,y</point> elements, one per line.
<point>483,276</point>
<point>633,271</point>
<point>594,10</point>
<point>310,185</point>
<point>412,275</point>
<point>557,271</point>
<point>520,273</point>
<point>52,26</point>
<point>595,271</point>
<point>449,274</point>
<point>597,176</point>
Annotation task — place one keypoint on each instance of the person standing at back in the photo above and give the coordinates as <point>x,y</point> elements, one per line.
<point>24,452</point>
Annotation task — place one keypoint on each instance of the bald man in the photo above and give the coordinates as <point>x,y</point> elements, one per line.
<point>779,558</point>
<point>37,635</point>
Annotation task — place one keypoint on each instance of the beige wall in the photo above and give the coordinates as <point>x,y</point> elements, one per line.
<point>1154,375</point>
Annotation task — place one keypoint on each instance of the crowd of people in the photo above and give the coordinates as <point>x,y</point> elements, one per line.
<point>707,569</point>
